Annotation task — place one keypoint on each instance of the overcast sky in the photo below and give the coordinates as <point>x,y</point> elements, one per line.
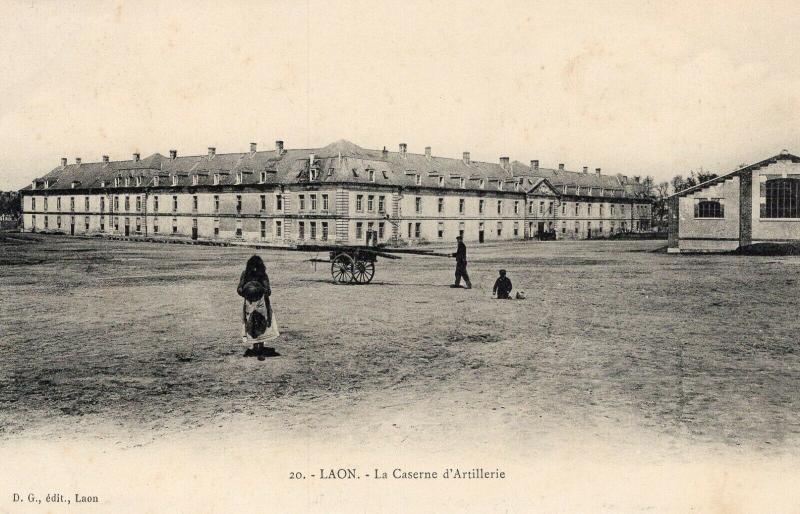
<point>644,88</point>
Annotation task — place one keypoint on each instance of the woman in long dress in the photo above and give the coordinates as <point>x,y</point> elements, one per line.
<point>258,319</point>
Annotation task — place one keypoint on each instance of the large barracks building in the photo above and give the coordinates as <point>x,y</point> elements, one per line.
<point>339,193</point>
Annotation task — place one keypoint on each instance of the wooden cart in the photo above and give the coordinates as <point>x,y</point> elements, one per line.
<point>356,264</point>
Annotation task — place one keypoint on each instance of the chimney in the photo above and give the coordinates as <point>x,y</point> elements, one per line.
<point>105,158</point>
<point>385,152</point>
<point>504,162</point>
<point>585,169</point>
<point>136,157</point>
<point>279,147</point>
<point>403,148</point>
<point>428,152</point>
<point>173,154</point>
<point>636,179</point>
<point>211,152</point>
<point>63,161</point>
<point>253,147</point>
<point>78,160</point>
<point>561,166</point>
<point>465,157</point>
<point>534,164</point>
<point>597,170</point>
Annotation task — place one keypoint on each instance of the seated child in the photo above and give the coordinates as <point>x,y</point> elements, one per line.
<point>502,286</point>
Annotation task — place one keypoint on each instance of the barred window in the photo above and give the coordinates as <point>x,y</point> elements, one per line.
<point>783,198</point>
<point>709,208</point>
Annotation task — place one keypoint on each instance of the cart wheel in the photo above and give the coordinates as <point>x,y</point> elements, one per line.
<point>342,269</point>
<point>363,271</point>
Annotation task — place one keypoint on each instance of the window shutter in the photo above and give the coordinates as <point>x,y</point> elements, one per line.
<point>696,208</point>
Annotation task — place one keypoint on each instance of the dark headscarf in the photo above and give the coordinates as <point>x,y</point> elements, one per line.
<point>255,270</point>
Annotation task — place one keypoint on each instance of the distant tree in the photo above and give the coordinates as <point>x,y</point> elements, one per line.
<point>660,192</point>
<point>10,205</point>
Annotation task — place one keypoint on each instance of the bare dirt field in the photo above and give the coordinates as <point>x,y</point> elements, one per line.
<point>613,337</point>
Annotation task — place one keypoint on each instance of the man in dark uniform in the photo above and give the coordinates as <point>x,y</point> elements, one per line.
<point>502,286</point>
<point>461,264</point>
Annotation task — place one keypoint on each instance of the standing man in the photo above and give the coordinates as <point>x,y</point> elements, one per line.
<point>461,264</point>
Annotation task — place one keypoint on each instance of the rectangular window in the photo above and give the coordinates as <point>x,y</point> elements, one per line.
<point>612,209</point>
<point>174,204</point>
<point>58,204</point>
<point>589,209</point>
<point>418,230</point>
<point>440,205</point>
<point>45,208</point>
<point>550,208</point>
<point>278,202</point>
<point>516,229</point>
<point>102,223</point>
<point>194,202</point>
<point>577,227</point>
<point>127,203</point>
<point>324,202</point>
<point>216,227</point>
<point>278,228</point>
<point>499,228</point>
<point>499,206</point>
<point>418,204</point>
<point>381,228</point>
<point>301,230</point>
<point>313,202</point>
<point>33,204</point>
<point>72,203</point>
<point>313,229</point>
<point>155,204</point>
<point>116,223</point>
<point>564,208</point>
<point>516,208</point>
<point>461,203</point>
<point>440,230</point>
<point>409,230</point>
<point>174,225</point>
<point>86,222</point>
<point>138,224</point>
<point>238,203</point>
<point>216,203</point>
<point>359,230</point>
<point>370,203</point>
<point>709,208</point>
<point>381,204</point>
<point>324,230</point>
<point>239,228</point>
<point>85,204</point>
<point>263,229</point>
<point>301,202</point>
<point>480,206</point>
<point>263,177</point>
<point>359,203</point>
<point>46,221</point>
<point>263,202</point>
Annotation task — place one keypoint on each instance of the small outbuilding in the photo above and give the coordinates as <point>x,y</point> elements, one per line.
<point>758,203</point>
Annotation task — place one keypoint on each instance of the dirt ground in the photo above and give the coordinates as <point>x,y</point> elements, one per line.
<point>133,340</point>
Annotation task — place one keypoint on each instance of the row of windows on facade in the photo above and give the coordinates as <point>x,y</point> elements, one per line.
<point>313,204</point>
<point>314,175</point>
<point>780,198</point>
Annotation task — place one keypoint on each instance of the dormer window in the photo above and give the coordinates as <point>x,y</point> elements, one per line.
<point>463,183</point>
<point>263,177</point>
<point>46,184</point>
<point>155,181</point>
<point>102,183</point>
<point>499,185</point>
<point>138,181</point>
<point>482,184</point>
<point>195,180</point>
<point>33,186</point>
<point>313,172</point>
<point>239,178</point>
<point>565,189</point>
<point>174,180</point>
<point>216,179</point>
<point>127,181</point>
<point>441,181</point>
<point>330,171</point>
<point>116,182</point>
<point>372,175</point>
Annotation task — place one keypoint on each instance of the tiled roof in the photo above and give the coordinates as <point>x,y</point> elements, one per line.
<point>341,161</point>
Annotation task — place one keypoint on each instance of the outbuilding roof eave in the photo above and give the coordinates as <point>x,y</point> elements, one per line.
<point>749,167</point>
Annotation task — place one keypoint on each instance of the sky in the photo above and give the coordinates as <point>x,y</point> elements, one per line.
<point>638,88</point>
